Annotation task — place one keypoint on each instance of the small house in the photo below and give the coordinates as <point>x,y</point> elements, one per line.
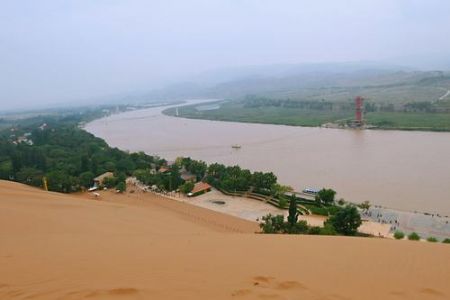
<point>99,179</point>
<point>163,169</point>
<point>200,188</point>
<point>188,177</point>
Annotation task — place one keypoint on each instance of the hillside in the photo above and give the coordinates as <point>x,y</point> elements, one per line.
<point>140,246</point>
<point>311,82</point>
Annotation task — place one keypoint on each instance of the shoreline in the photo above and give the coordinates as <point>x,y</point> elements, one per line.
<point>384,207</point>
<point>252,210</point>
<point>370,127</point>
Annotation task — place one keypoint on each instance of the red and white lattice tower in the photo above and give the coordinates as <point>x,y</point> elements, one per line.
<point>359,108</point>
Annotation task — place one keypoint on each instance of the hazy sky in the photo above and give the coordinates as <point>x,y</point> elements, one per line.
<point>62,51</point>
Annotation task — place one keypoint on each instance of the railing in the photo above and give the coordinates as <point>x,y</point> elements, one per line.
<point>267,199</point>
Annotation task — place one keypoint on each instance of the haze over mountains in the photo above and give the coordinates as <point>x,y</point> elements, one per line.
<point>332,82</point>
<point>83,52</point>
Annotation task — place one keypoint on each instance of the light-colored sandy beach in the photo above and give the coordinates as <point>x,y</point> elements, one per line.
<point>138,246</point>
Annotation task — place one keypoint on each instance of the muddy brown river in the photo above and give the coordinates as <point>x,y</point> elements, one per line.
<point>397,169</point>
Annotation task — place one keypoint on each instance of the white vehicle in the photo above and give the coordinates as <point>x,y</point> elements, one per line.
<point>310,191</point>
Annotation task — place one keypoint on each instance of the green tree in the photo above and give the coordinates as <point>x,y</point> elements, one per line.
<point>263,181</point>
<point>110,182</point>
<point>325,196</point>
<point>278,190</point>
<point>31,176</point>
<point>125,165</point>
<point>272,224</point>
<point>87,179</point>
<point>293,213</point>
<point>60,181</point>
<point>198,168</point>
<point>121,186</point>
<point>314,230</point>
<point>432,239</point>
<point>186,187</point>
<point>297,228</point>
<point>346,221</point>
<point>365,205</point>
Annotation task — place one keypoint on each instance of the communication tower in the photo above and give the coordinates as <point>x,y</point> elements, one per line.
<point>359,110</point>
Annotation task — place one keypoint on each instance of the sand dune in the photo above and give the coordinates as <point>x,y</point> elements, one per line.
<point>55,246</point>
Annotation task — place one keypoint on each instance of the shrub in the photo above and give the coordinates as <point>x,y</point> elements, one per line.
<point>272,224</point>
<point>446,241</point>
<point>414,237</point>
<point>432,239</point>
<point>121,186</point>
<point>297,228</point>
<point>314,230</point>
<point>399,235</point>
<point>328,229</point>
<point>332,210</point>
<point>187,187</point>
<point>110,182</point>
<point>282,202</point>
<point>321,211</point>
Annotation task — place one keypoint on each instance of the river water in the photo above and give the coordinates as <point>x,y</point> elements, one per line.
<point>397,169</point>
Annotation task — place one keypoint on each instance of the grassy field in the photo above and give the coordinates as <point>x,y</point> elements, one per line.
<point>410,121</point>
<point>236,111</point>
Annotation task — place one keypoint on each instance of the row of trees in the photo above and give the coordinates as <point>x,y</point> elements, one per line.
<point>253,101</point>
<point>236,179</point>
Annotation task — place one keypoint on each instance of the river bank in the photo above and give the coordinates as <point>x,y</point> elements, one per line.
<point>377,221</point>
<point>396,169</point>
<point>236,111</point>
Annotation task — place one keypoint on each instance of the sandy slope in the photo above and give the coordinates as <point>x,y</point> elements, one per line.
<point>56,246</point>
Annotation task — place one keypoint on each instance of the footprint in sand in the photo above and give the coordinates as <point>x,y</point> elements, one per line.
<point>118,292</point>
<point>270,296</point>
<point>263,279</point>
<point>123,291</point>
<point>241,293</point>
<point>397,293</point>
<point>289,285</point>
<point>431,292</point>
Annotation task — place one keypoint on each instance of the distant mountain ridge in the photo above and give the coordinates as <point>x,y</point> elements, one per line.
<point>331,82</point>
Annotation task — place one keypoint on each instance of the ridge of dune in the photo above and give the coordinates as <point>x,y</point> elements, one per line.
<point>55,246</point>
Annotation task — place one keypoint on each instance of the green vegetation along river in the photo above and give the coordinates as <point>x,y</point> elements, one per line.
<point>398,169</point>
<point>419,116</point>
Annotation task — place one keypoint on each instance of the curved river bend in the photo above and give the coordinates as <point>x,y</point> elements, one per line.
<point>398,169</point>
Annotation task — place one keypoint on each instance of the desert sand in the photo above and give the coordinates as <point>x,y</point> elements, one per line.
<point>137,246</point>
